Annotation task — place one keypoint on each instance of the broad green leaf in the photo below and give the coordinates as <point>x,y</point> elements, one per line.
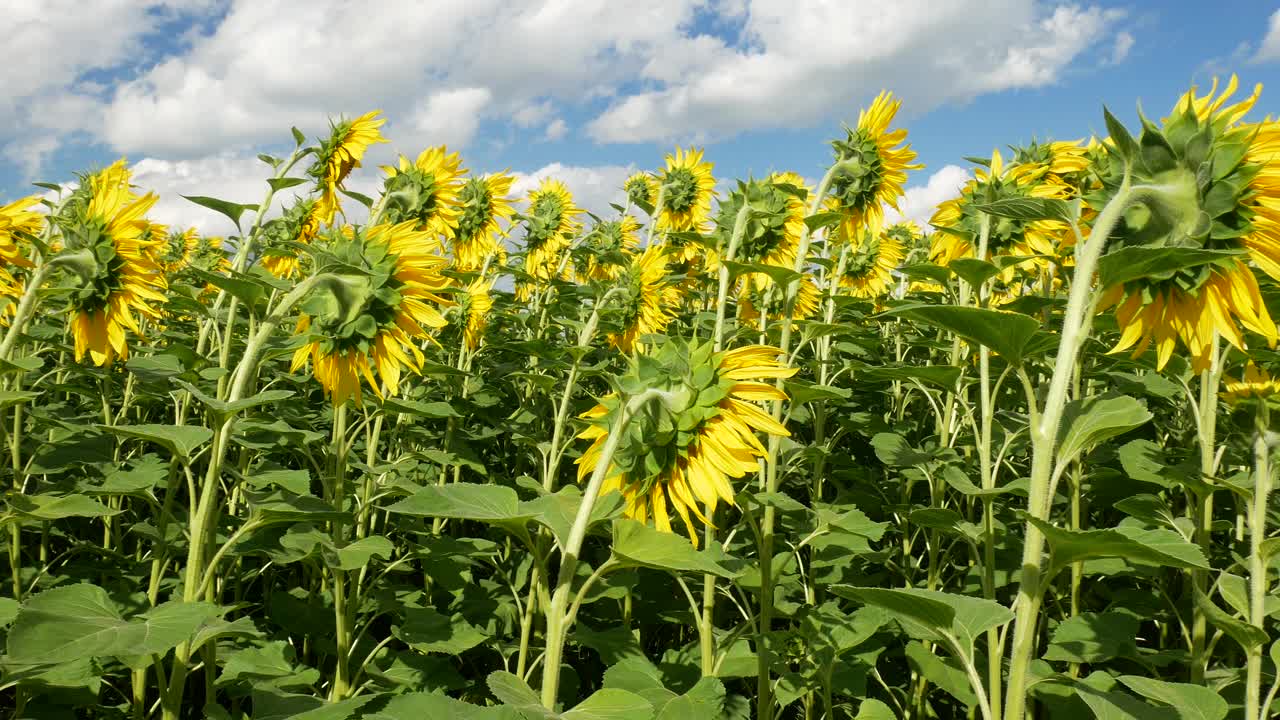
<point>511,690</point>
<point>9,398</point>
<point>927,272</point>
<point>81,620</point>
<point>224,409</point>
<point>422,409</point>
<point>893,450</point>
<point>611,704</point>
<point>946,673</point>
<point>463,501</point>
<point>1028,209</point>
<point>1247,635</point>
<point>635,543</point>
<point>1134,262</point>
<point>820,220</point>
<point>283,183</point>
<point>1097,419</point>
<point>780,275</point>
<point>49,507</point>
<point>358,554</point>
<point>1108,705</point>
<point>427,630</point>
<point>232,210</point>
<point>1094,638</point>
<point>1008,334</point>
<point>1192,702</point>
<point>424,706</point>
<point>284,506</point>
<point>872,709</point>
<point>1157,547</point>
<point>940,376</point>
<point>934,615</point>
<point>181,440</point>
<point>1143,461</point>
<point>973,271</point>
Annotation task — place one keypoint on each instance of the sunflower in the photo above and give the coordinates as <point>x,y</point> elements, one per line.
<point>473,308</point>
<point>1065,163</point>
<point>1254,383</point>
<point>341,154</point>
<point>686,188</point>
<point>873,256</point>
<point>549,229</point>
<point>774,228</point>
<point>485,205</point>
<point>808,300</point>
<point>681,452</point>
<point>425,190</point>
<point>642,190</point>
<point>372,322</point>
<point>18,223</point>
<point>872,163</point>
<point>179,248</point>
<point>650,301</point>
<point>300,224</point>
<point>613,243</point>
<point>121,274</point>
<point>1217,188</point>
<point>958,220</point>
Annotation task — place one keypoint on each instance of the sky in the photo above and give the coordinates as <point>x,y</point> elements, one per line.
<point>588,91</point>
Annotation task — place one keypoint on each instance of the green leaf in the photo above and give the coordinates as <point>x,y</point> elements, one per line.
<point>933,615</point>
<point>1094,638</point>
<point>422,706</point>
<point>1028,209</point>
<point>356,555</point>
<point>226,207</point>
<point>635,543</point>
<point>927,272</point>
<point>82,621</point>
<point>780,275</point>
<point>49,507</point>
<point>283,506</point>
<point>940,376</point>
<point>1247,635</point>
<point>512,690</point>
<point>1160,263</point>
<point>1097,419</point>
<point>611,704</point>
<point>973,271</point>
<point>422,409</point>
<point>946,674</point>
<point>247,289</point>
<point>225,409</point>
<point>1192,702</point>
<point>278,184</point>
<point>872,709</point>
<point>1143,461</point>
<point>1008,334</point>
<point>1157,547</point>
<point>9,398</point>
<point>427,630</point>
<point>180,440</point>
<point>824,219</point>
<point>1117,706</point>
<point>463,501</point>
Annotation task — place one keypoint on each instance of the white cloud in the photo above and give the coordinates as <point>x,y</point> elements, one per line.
<point>556,130</point>
<point>1123,44</point>
<point>450,117</point>
<point>593,187</point>
<point>919,201</point>
<point>271,65</point>
<point>797,68</point>
<point>1269,50</point>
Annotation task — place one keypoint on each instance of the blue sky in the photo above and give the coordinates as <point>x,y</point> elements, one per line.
<point>191,90</point>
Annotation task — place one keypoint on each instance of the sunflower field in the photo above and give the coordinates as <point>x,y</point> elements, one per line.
<point>731,450</point>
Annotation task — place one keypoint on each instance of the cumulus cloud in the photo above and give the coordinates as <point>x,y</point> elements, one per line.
<point>800,67</point>
<point>920,201</point>
<point>593,187</point>
<point>1269,50</point>
<point>452,116</point>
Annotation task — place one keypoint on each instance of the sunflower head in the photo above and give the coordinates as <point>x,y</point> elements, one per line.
<point>1255,382</point>
<point>117,277</point>
<point>681,450</point>
<point>649,301</point>
<point>872,162</point>
<point>685,190</point>
<point>958,221</point>
<point>872,257</point>
<point>300,225</point>
<point>611,244</point>
<point>19,226</point>
<point>474,304</point>
<point>341,153</point>
<point>484,206</point>
<point>1210,182</point>
<point>178,249</point>
<point>775,224</point>
<point>642,190</point>
<point>550,225</point>
<point>372,315</point>
<point>425,190</point>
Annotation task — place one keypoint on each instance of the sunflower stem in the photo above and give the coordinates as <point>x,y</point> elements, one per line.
<point>1258,585</point>
<point>557,614</point>
<point>1202,505</point>
<point>1076,324</point>
<point>764,655</point>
